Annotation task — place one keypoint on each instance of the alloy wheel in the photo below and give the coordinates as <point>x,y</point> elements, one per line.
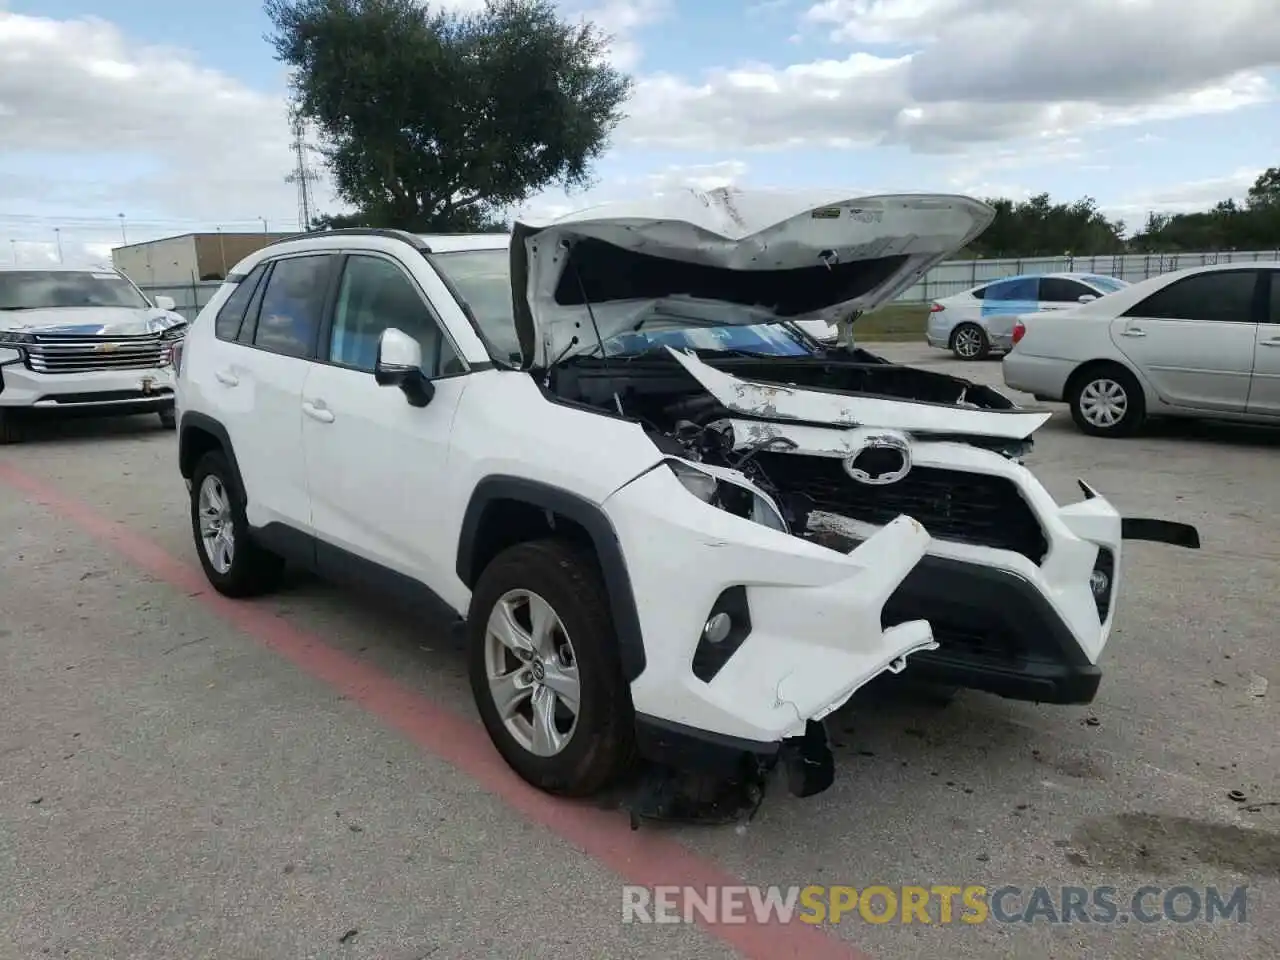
<point>532,672</point>
<point>217,532</point>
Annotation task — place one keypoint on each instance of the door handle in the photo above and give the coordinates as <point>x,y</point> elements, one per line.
<point>1134,332</point>
<point>227,377</point>
<point>317,412</point>
<point>1271,343</point>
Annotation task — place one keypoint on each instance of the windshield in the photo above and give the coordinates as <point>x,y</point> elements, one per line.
<point>41,289</point>
<point>1107,284</point>
<point>483,279</point>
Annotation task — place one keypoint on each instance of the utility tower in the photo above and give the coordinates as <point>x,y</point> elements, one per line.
<point>303,175</point>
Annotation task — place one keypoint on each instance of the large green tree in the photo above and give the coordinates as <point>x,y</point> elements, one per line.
<point>437,121</point>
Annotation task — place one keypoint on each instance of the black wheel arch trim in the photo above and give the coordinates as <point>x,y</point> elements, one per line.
<point>604,538</point>
<point>193,421</point>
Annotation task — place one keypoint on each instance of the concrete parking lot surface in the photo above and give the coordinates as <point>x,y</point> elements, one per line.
<point>304,776</point>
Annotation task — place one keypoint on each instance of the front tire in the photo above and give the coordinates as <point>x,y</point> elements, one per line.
<point>970,342</point>
<point>9,432</point>
<point>1107,401</point>
<point>544,669</point>
<point>235,564</point>
<point>169,419</point>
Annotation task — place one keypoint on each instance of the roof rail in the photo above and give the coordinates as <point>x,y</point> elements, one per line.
<point>392,234</point>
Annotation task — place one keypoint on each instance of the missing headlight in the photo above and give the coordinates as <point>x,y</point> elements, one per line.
<point>720,488</point>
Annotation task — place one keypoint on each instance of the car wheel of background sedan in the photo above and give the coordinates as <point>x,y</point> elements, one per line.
<point>969,342</point>
<point>169,419</point>
<point>1106,401</point>
<point>544,668</point>
<point>235,564</point>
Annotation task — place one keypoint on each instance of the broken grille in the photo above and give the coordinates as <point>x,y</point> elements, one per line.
<point>972,508</point>
<point>69,353</point>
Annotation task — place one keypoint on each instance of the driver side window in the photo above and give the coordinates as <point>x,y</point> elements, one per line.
<point>375,294</point>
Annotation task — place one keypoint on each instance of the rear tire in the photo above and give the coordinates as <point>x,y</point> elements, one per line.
<point>235,564</point>
<point>970,342</point>
<point>1106,400</point>
<point>556,585</point>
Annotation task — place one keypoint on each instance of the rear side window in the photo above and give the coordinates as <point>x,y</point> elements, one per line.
<point>293,305</point>
<point>979,293</point>
<point>226,326</point>
<point>1062,290</point>
<point>1225,296</point>
<point>1019,288</point>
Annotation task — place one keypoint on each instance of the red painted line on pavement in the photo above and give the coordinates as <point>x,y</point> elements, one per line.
<point>639,857</point>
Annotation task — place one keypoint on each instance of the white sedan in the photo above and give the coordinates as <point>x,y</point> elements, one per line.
<point>1202,342</point>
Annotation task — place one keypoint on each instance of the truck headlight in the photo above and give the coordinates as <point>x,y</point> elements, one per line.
<point>720,488</point>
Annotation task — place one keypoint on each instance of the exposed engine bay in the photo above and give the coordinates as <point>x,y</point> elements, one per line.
<point>814,493</point>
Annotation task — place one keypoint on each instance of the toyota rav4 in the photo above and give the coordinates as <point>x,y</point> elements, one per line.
<point>674,526</point>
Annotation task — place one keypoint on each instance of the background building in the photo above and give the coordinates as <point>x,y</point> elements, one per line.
<point>189,258</point>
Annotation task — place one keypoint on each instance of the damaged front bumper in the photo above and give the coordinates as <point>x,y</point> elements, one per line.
<point>752,636</point>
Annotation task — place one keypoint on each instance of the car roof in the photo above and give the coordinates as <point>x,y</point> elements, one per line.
<point>455,242</point>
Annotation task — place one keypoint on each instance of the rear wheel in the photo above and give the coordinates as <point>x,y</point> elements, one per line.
<point>235,564</point>
<point>969,342</point>
<point>544,669</point>
<point>1106,401</point>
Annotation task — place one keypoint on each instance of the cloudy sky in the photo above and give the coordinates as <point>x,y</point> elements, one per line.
<point>172,113</point>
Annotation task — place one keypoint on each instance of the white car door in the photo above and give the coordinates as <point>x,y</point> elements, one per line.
<point>376,464</point>
<point>259,385</point>
<point>1264,387</point>
<point>1194,339</point>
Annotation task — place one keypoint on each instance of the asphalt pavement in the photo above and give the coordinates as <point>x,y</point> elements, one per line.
<point>304,776</point>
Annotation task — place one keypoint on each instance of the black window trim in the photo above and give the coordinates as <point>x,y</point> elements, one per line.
<point>1270,297</point>
<point>326,326</point>
<point>1259,307</point>
<point>240,278</point>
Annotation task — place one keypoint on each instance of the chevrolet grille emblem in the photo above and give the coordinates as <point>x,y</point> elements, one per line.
<point>106,348</point>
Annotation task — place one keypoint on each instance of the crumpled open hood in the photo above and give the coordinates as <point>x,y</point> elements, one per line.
<point>91,321</point>
<point>721,257</point>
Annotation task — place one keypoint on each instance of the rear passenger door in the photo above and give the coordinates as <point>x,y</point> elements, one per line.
<point>1006,299</point>
<point>259,381</point>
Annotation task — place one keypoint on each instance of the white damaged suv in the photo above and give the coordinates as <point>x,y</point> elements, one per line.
<point>675,526</point>
<point>82,341</point>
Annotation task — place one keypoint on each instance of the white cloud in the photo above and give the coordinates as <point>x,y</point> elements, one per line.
<point>1191,197</point>
<point>705,176</point>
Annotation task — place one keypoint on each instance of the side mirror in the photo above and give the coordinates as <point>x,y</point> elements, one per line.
<point>166,303</point>
<point>399,364</point>
<point>1087,298</point>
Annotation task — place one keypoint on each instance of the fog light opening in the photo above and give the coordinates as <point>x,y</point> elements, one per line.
<point>1099,583</point>
<point>717,628</point>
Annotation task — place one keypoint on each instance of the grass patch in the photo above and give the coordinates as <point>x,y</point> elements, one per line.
<point>893,321</point>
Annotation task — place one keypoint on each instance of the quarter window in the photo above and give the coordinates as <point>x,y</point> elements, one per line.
<point>1221,296</point>
<point>292,305</point>
<point>374,295</point>
<point>226,326</point>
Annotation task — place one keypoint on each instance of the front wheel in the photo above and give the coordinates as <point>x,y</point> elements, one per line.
<point>169,419</point>
<point>544,668</point>
<point>9,432</point>
<point>1107,401</point>
<point>969,342</point>
<point>235,564</point>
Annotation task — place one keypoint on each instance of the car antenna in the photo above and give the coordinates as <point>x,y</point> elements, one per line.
<point>604,354</point>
